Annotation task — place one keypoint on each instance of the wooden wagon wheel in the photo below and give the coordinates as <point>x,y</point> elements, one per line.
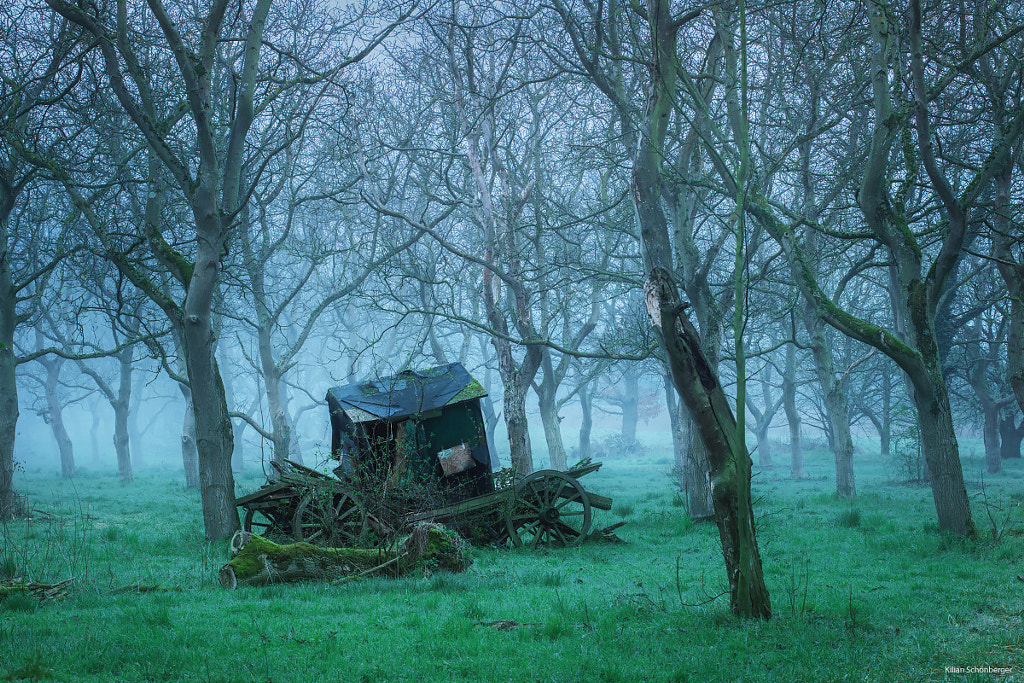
<point>549,508</point>
<point>330,518</point>
<point>258,521</point>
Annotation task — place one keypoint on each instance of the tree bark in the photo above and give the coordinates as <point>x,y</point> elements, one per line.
<point>630,402</point>
<point>586,421</point>
<point>8,398</point>
<point>1010,436</point>
<point>698,387</point>
<point>55,416</point>
<point>836,407</point>
<point>789,384</point>
<point>977,377</point>
<point>189,445</point>
<point>122,409</point>
<point>550,419</point>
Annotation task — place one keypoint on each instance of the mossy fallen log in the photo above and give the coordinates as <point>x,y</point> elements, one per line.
<point>257,561</point>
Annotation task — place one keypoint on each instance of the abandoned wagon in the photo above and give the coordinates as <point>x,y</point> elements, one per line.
<point>422,429</point>
<point>414,447</point>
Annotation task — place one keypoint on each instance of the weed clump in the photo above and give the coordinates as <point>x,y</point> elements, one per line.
<point>849,519</point>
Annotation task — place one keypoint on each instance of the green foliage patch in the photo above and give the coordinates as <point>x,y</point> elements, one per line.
<point>865,590</point>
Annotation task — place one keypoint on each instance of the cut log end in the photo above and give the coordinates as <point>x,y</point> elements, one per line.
<point>227,577</point>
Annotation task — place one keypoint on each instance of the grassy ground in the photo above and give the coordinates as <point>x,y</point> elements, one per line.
<point>867,590</point>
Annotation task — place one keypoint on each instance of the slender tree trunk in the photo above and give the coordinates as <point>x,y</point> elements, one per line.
<point>549,418</point>
<point>796,450</point>
<point>837,409</point>
<point>214,435</point>
<point>55,416</point>
<point>977,376</point>
<point>8,394</point>
<point>1010,436</point>
<point>189,445</point>
<point>121,443</point>
<point>885,436</point>
<point>630,402</point>
<point>764,446</point>
<point>122,408</point>
<point>586,422</point>
<point>679,434</point>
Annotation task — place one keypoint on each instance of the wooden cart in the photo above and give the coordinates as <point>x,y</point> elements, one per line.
<point>547,508</point>
<point>412,448</point>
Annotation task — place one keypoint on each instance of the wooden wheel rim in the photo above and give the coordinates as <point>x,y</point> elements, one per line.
<point>330,519</point>
<point>550,509</point>
<point>259,522</point>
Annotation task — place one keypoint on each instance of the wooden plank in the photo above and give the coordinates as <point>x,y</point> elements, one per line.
<point>600,502</point>
<point>262,492</point>
<point>488,501</point>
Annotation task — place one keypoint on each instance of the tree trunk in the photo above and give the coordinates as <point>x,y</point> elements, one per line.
<point>700,503</point>
<point>796,469</point>
<point>1010,436</point>
<point>189,446</point>
<point>942,455</point>
<point>679,434</point>
<point>694,378</point>
<point>55,416</point>
<point>587,421</point>
<point>518,428</point>
<point>977,377</point>
<point>122,408</point>
<point>885,434</point>
<point>94,430</point>
<point>549,415</point>
<point>837,409</point>
<point>764,447</point>
<point>630,402</point>
<point>708,405</point>
<point>8,405</point>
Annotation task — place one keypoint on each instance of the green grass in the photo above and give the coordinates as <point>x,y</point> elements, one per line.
<point>862,591</point>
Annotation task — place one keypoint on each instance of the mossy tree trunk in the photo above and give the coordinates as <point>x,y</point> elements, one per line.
<point>698,387</point>
<point>694,378</point>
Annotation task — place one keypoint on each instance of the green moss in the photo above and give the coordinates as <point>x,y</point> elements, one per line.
<point>250,559</point>
<point>472,390</point>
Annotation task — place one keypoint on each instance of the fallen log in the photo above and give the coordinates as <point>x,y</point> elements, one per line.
<point>257,561</point>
